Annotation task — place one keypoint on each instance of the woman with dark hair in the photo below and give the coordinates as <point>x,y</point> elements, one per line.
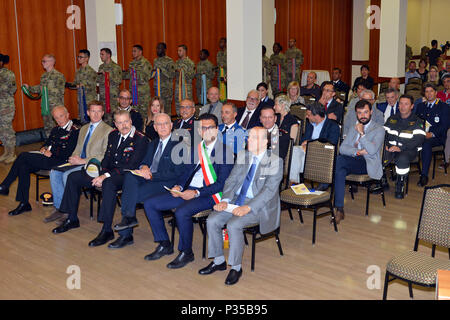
<point>156,106</point>
<point>365,70</point>
<point>8,88</point>
<point>422,70</point>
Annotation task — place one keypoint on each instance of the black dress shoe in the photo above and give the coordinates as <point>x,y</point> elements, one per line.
<point>423,181</point>
<point>212,267</point>
<point>102,238</point>
<point>233,277</point>
<point>4,190</point>
<point>21,208</point>
<point>181,260</point>
<point>66,226</point>
<point>121,242</point>
<point>159,252</point>
<point>127,222</point>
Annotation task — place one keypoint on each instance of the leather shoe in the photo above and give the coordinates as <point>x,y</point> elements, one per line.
<point>4,190</point>
<point>159,252</point>
<point>21,208</point>
<point>338,216</point>
<point>127,222</point>
<point>423,181</point>
<point>233,277</point>
<point>66,226</point>
<point>181,260</point>
<point>55,215</point>
<point>212,267</point>
<point>102,238</point>
<point>121,242</point>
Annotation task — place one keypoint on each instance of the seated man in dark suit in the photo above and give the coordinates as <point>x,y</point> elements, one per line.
<point>186,123</point>
<point>198,189</point>
<point>319,127</point>
<point>278,139</point>
<point>55,151</point>
<point>340,85</point>
<point>248,117</point>
<point>250,196</point>
<point>435,113</point>
<point>390,107</point>
<point>125,150</point>
<point>311,88</point>
<point>265,100</point>
<point>156,170</point>
<point>125,101</point>
<point>333,109</point>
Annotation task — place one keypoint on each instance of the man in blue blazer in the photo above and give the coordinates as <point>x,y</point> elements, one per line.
<point>198,189</point>
<point>155,171</point>
<point>231,133</point>
<point>390,107</point>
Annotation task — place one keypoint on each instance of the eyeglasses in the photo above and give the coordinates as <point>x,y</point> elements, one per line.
<point>185,107</point>
<point>252,99</point>
<point>208,128</point>
<point>124,98</point>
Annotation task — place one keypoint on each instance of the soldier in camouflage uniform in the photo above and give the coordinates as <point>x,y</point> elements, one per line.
<point>85,77</point>
<point>8,88</point>
<point>167,72</point>
<point>293,53</point>
<point>277,60</point>
<point>115,79</point>
<point>265,65</point>
<point>55,83</point>
<point>222,59</point>
<point>204,66</point>
<point>188,67</point>
<point>143,75</point>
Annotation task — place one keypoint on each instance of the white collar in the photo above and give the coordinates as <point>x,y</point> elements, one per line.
<point>68,126</point>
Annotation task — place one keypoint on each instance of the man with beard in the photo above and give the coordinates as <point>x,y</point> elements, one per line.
<point>359,153</point>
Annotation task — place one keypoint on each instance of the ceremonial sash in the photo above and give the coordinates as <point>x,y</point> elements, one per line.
<point>157,75</point>
<point>107,93</point>
<point>45,107</point>
<point>209,174</point>
<point>82,105</point>
<point>203,97</point>
<point>279,77</point>
<point>182,90</point>
<point>222,86</point>
<point>134,87</point>
<point>293,69</point>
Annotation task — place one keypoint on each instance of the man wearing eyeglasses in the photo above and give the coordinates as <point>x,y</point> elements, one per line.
<point>198,189</point>
<point>86,80</point>
<point>55,83</point>
<point>248,117</point>
<point>125,104</point>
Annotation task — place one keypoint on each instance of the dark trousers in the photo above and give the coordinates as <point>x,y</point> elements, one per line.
<point>427,153</point>
<point>401,160</point>
<point>72,193</point>
<point>155,206</point>
<point>110,186</point>
<point>346,165</point>
<point>24,165</point>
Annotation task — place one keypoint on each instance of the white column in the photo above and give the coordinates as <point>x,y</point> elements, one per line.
<point>100,29</point>
<point>361,35</point>
<point>393,38</point>
<point>244,41</point>
<point>268,26</point>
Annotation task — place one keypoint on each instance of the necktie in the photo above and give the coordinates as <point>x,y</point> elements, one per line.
<point>181,124</point>
<point>246,120</point>
<point>188,182</point>
<point>157,158</point>
<point>392,111</point>
<point>211,108</point>
<point>326,106</point>
<point>120,142</point>
<point>248,180</point>
<point>225,130</point>
<point>83,152</point>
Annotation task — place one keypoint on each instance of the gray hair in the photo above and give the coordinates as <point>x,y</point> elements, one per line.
<point>232,105</point>
<point>367,91</point>
<point>284,101</point>
<point>161,114</point>
<point>60,107</point>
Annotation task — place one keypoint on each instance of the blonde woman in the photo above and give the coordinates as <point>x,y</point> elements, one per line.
<point>156,106</point>
<point>293,92</point>
<point>433,75</point>
<point>286,122</point>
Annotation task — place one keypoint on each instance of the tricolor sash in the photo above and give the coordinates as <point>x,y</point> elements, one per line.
<point>279,77</point>
<point>222,85</point>
<point>209,174</point>
<point>203,96</point>
<point>82,105</point>
<point>45,106</point>
<point>107,93</point>
<point>134,87</point>
<point>182,90</point>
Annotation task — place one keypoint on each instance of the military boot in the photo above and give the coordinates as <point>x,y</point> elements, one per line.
<point>11,156</point>
<point>400,186</point>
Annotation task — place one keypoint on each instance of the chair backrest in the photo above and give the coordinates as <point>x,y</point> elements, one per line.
<point>287,163</point>
<point>299,111</point>
<point>415,81</point>
<point>319,162</point>
<point>413,86</point>
<point>434,221</point>
<point>383,87</point>
<point>309,99</point>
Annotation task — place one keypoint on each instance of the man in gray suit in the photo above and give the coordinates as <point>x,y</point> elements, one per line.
<point>215,106</point>
<point>360,153</point>
<point>250,196</point>
<point>350,117</point>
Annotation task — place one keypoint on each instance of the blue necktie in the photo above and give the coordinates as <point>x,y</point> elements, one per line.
<point>83,153</point>
<point>248,180</point>
<point>157,158</point>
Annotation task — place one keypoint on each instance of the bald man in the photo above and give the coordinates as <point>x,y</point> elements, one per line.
<point>215,106</point>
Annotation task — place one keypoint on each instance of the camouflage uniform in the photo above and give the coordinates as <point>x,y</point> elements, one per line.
<point>265,69</point>
<point>276,60</point>
<point>296,54</point>
<point>204,67</point>
<point>56,84</point>
<point>8,88</point>
<point>222,61</point>
<point>115,79</point>
<point>167,69</point>
<point>143,74</point>
<point>189,72</point>
<point>87,77</point>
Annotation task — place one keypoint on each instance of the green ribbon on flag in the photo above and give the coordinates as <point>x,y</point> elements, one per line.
<point>45,106</point>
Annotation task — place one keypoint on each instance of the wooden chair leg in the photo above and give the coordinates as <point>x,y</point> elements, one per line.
<point>37,188</point>
<point>382,198</point>
<point>300,215</point>
<point>277,239</point>
<point>253,250</point>
<point>314,226</point>
<point>91,205</point>
<point>386,283</point>
<point>290,213</point>
<point>351,192</point>
<point>99,201</point>
<point>367,200</point>
<point>433,250</point>
<point>410,290</point>
<point>245,239</point>
<point>334,218</point>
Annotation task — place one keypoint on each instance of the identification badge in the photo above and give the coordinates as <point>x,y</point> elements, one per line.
<point>436,119</point>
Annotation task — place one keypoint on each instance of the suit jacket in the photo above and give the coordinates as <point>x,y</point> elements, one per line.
<point>372,142</point>
<point>268,175</point>
<point>97,144</point>
<point>438,117</point>
<point>330,132</point>
<point>222,160</point>
<point>350,119</point>
<point>383,105</point>
<point>217,110</point>
<point>235,137</point>
<point>254,120</point>
<point>62,143</point>
<point>127,156</point>
<point>189,125</point>
<point>336,108</point>
<point>267,102</point>
<point>341,86</point>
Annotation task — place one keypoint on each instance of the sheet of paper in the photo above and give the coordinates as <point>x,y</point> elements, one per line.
<point>170,190</point>
<point>231,207</point>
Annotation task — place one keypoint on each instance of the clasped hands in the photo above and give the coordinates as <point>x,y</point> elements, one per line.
<point>239,211</point>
